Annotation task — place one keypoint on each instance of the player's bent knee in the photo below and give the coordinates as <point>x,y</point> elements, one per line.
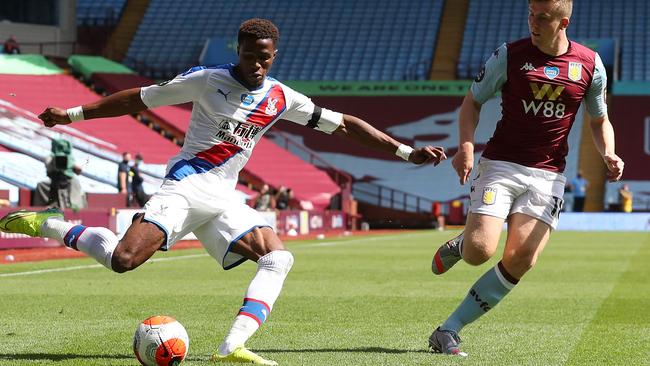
<point>476,255</point>
<point>475,260</point>
<point>124,260</point>
<point>477,248</point>
<point>279,261</point>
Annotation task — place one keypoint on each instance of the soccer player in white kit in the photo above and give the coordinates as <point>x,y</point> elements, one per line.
<point>233,106</point>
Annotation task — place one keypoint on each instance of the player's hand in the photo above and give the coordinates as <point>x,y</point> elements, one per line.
<point>463,162</point>
<point>428,154</point>
<point>53,116</point>
<point>614,167</point>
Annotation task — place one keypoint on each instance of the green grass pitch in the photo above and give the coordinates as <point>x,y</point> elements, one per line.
<point>368,300</point>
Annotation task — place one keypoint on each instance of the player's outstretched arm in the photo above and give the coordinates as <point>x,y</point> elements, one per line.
<point>118,104</point>
<point>360,131</point>
<point>603,135</point>
<point>463,161</point>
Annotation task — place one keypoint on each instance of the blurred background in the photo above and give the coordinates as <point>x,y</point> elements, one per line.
<point>402,66</point>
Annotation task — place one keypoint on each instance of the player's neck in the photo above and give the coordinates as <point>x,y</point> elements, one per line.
<point>556,47</point>
<point>242,79</point>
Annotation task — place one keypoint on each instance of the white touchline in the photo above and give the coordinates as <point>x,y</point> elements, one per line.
<point>191,256</point>
<point>73,268</point>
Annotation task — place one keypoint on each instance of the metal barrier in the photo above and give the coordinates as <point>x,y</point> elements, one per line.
<point>42,47</point>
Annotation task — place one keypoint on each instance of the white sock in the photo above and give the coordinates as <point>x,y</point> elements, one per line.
<point>98,242</point>
<point>262,292</point>
<point>55,228</point>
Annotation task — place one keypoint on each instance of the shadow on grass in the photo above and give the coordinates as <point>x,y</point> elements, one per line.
<point>66,357</point>
<point>343,350</point>
<point>60,357</point>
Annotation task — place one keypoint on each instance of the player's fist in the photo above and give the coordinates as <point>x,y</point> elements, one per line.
<point>614,167</point>
<point>428,154</point>
<point>53,116</point>
<point>463,162</point>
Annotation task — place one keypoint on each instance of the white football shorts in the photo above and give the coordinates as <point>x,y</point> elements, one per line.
<point>213,213</point>
<point>502,188</point>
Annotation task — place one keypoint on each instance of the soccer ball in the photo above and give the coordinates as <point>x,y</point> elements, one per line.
<point>160,340</point>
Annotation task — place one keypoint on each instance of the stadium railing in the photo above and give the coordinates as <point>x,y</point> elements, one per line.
<point>45,47</point>
<point>371,193</point>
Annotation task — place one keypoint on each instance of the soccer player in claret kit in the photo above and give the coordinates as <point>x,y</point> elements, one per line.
<point>234,105</point>
<point>542,79</point>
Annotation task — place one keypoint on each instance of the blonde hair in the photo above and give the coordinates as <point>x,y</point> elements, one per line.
<point>561,8</point>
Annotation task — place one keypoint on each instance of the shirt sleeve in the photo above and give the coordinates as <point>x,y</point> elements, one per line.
<point>303,111</point>
<point>186,87</point>
<point>492,76</point>
<point>595,96</point>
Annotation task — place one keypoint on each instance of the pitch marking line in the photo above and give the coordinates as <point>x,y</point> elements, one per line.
<point>192,256</point>
<point>73,268</point>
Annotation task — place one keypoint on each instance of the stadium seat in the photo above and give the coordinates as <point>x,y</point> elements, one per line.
<point>489,23</point>
<point>306,35</point>
<point>99,12</point>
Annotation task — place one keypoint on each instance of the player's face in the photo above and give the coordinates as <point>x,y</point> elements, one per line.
<point>255,59</point>
<point>543,24</point>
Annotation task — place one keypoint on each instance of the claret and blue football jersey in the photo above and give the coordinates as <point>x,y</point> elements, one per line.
<point>541,95</point>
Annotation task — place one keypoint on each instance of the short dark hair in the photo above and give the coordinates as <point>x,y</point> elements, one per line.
<point>258,28</point>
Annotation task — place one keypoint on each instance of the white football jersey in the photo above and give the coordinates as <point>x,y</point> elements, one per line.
<point>228,118</point>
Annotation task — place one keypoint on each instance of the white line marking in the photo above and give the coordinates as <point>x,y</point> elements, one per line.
<point>73,268</point>
<point>370,239</point>
<point>191,256</point>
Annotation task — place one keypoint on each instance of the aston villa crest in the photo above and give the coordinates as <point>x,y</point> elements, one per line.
<point>575,71</point>
<point>489,195</point>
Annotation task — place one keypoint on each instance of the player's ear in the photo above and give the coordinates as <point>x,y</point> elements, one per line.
<point>564,23</point>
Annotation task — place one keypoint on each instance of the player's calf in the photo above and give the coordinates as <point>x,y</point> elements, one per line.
<point>139,243</point>
<point>519,262</point>
<point>264,289</point>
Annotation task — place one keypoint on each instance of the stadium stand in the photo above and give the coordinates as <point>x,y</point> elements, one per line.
<point>99,12</point>
<point>89,65</point>
<point>28,139</point>
<point>173,119</point>
<point>489,23</point>
<point>382,39</point>
<point>124,133</point>
<point>308,182</point>
<point>27,65</point>
<point>26,171</point>
<point>111,82</point>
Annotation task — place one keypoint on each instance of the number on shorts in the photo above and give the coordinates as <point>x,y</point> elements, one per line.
<point>558,203</point>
